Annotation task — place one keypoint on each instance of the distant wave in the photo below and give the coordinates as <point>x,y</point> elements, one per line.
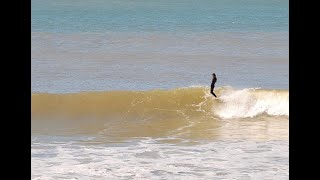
<point>188,102</point>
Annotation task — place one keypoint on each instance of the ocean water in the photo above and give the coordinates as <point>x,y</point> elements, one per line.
<point>120,89</point>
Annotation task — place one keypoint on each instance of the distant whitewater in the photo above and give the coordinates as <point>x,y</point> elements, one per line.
<point>189,102</point>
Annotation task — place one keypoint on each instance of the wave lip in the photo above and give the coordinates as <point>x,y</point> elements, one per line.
<point>252,102</point>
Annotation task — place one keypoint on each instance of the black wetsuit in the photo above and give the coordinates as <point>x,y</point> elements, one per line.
<point>214,80</point>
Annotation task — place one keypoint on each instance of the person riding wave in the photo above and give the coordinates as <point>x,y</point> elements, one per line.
<point>214,80</point>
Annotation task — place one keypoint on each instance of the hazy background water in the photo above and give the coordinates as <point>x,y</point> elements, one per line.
<point>131,45</point>
<point>129,61</point>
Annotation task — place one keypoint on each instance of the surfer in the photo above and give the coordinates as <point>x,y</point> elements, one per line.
<point>214,80</point>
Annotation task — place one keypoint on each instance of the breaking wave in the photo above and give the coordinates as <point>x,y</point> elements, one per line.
<point>189,102</point>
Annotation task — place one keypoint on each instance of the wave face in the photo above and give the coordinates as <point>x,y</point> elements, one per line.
<point>191,102</point>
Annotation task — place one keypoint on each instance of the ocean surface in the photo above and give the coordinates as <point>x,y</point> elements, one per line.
<point>121,89</point>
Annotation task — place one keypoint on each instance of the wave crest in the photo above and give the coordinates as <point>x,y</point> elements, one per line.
<point>252,102</point>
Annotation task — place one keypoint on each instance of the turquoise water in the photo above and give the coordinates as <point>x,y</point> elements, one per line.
<point>166,16</point>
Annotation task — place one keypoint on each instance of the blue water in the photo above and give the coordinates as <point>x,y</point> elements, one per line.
<point>65,16</point>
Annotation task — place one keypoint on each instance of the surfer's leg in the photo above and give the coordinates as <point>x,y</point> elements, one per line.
<point>212,93</point>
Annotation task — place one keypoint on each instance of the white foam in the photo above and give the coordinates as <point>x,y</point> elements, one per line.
<point>252,102</point>
<point>149,159</point>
